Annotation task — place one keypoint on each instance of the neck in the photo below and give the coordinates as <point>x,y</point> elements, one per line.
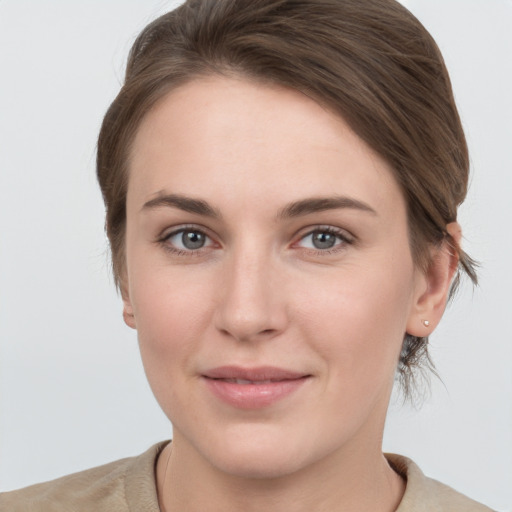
<point>355,481</point>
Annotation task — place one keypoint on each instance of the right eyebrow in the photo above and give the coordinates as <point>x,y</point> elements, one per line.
<point>187,204</point>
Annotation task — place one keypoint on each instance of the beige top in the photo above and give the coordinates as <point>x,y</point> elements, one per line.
<point>128,485</point>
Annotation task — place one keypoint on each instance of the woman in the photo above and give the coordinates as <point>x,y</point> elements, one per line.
<point>281,181</point>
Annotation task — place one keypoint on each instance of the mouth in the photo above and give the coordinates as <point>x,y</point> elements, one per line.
<point>253,388</point>
<point>246,382</point>
<point>250,375</point>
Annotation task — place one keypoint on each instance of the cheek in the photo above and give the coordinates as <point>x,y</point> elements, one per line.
<point>356,320</point>
<point>172,311</point>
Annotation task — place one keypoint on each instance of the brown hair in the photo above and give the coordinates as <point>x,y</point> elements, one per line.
<point>370,61</point>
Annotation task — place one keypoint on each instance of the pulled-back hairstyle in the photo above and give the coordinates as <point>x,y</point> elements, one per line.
<point>370,61</point>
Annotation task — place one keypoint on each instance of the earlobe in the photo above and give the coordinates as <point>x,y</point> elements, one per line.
<point>128,315</point>
<point>430,303</point>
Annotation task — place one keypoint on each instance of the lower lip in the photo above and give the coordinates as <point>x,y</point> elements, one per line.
<point>253,396</point>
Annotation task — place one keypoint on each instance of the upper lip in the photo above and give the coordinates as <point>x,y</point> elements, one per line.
<point>261,373</point>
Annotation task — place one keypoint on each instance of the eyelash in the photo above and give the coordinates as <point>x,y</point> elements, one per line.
<point>164,241</point>
<point>340,234</point>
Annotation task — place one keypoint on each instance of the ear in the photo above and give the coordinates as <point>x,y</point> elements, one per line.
<point>434,285</point>
<point>128,314</point>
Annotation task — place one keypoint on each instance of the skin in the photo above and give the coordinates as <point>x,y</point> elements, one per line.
<point>259,293</point>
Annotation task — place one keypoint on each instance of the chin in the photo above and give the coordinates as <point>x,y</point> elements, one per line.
<point>262,453</point>
<point>258,464</point>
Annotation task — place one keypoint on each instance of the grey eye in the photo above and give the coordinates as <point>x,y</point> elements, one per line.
<point>193,239</point>
<point>188,240</point>
<point>323,239</point>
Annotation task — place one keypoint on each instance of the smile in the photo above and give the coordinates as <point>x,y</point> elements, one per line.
<point>253,388</point>
<point>244,381</point>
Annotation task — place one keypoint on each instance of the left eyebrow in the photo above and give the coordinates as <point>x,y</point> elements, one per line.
<point>320,204</point>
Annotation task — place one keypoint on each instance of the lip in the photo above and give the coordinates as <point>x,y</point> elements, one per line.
<point>253,388</point>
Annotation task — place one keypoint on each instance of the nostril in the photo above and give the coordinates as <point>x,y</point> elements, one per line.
<point>263,334</point>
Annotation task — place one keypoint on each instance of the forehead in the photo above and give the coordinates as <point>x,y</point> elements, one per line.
<point>227,138</point>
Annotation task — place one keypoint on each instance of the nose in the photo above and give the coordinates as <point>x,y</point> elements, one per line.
<point>252,301</point>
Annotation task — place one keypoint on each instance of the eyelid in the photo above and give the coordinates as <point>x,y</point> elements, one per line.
<point>170,230</point>
<point>345,236</point>
<point>166,234</point>
<point>342,233</point>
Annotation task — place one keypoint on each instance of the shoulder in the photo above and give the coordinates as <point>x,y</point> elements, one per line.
<point>423,494</point>
<point>124,485</point>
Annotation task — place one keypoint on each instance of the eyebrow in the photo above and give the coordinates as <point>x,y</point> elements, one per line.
<point>187,204</point>
<point>320,204</point>
<point>291,210</point>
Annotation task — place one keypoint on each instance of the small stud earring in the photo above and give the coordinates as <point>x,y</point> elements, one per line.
<point>426,323</point>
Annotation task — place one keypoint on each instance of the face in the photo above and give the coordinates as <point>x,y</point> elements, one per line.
<point>268,274</point>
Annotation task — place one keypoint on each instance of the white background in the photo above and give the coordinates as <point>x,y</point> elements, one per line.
<point>73,392</point>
